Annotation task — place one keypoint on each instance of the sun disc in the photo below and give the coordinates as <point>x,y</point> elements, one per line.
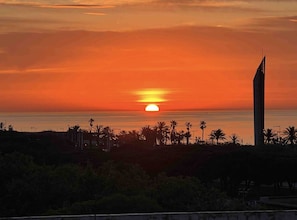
<point>152,108</point>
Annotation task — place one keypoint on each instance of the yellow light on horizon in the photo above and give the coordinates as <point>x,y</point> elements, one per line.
<point>152,95</point>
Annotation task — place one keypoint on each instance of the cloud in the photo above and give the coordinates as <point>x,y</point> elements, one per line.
<point>8,71</point>
<point>95,13</point>
<point>23,24</point>
<point>40,15</point>
<point>33,70</point>
<point>113,3</point>
<point>70,3</point>
<point>78,6</point>
<point>285,23</point>
<point>58,4</point>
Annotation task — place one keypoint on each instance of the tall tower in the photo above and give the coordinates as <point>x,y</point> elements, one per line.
<point>259,88</point>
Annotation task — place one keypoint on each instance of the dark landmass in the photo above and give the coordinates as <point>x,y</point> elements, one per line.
<point>43,173</point>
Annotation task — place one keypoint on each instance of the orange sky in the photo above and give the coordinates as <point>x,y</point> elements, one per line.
<point>97,55</point>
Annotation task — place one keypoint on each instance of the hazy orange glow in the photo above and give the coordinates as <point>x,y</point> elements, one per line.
<point>95,57</point>
<point>152,95</point>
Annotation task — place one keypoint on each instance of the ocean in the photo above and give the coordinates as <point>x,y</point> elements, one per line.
<point>239,122</point>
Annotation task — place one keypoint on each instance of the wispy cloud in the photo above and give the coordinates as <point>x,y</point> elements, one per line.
<point>95,13</point>
<point>46,15</point>
<point>70,4</point>
<point>273,23</point>
<point>112,3</point>
<point>78,6</point>
<point>202,3</point>
<point>33,70</point>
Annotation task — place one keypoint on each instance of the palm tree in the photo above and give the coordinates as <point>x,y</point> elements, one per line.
<point>180,136</point>
<point>129,137</point>
<point>211,138</point>
<point>218,135</point>
<point>173,124</point>
<point>1,126</point>
<point>269,135</point>
<point>290,135</point>
<point>73,134</point>
<point>91,127</point>
<point>234,138</point>
<point>108,136</point>
<point>202,127</point>
<point>99,130</point>
<point>149,134</point>
<point>134,136</point>
<point>91,124</point>
<point>173,137</point>
<point>188,134</point>
<point>162,132</point>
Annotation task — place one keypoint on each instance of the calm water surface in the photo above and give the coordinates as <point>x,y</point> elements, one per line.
<point>238,122</point>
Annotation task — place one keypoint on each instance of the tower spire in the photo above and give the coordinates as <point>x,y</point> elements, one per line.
<point>259,94</point>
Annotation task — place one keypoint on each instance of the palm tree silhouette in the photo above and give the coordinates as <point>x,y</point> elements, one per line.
<point>162,132</point>
<point>91,124</point>
<point>173,137</point>
<point>149,134</point>
<point>188,134</point>
<point>269,135</point>
<point>234,138</point>
<point>108,136</point>
<point>202,127</point>
<point>134,135</point>
<point>180,136</point>
<point>91,127</point>
<point>99,130</point>
<point>218,135</point>
<point>1,126</point>
<point>290,135</point>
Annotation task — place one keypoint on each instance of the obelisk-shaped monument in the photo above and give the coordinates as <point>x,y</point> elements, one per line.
<point>259,91</point>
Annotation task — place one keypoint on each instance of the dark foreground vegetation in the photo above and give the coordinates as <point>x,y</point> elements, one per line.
<point>43,173</point>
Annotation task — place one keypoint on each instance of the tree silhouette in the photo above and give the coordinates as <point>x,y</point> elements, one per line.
<point>1,126</point>
<point>149,134</point>
<point>234,138</point>
<point>91,127</point>
<point>290,135</point>
<point>10,128</point>
<point>134,136</point>
<point>188,134</point>
<point>129,137</point>
<point>180,136</point>
<point>108,136</point>
<point>99,131</point>
<point>162,132</point>
<point>202,127</point>
<point>73,135</point>
<point>269,135</point>
<point>173,137</point>
<point>218,135</point>
<point>91,124</point>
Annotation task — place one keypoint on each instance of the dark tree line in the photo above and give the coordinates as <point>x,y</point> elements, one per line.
<point>28,188</point>
<point>250,168</point>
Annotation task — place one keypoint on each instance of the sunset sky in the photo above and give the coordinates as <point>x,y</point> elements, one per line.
<point>72,55</point>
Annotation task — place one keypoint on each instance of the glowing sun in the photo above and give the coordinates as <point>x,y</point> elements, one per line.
<point>152,108</point>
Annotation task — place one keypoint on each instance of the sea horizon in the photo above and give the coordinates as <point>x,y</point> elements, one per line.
<point>239,122</point>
